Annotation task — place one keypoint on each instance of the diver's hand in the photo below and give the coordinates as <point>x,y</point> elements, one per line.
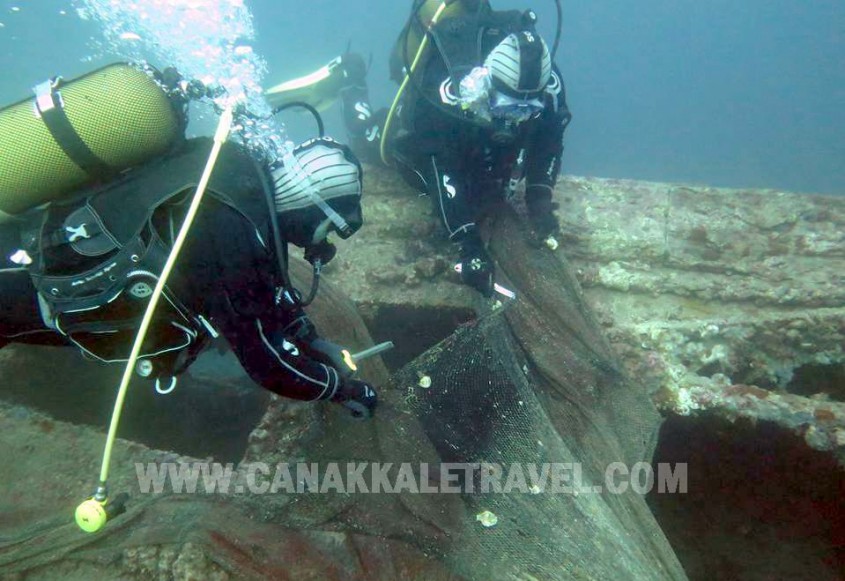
<point>354,70</point>
<point>358,397</point>
<point>333,355</point>
<point>541,214</point>
<point>545,226</point>
<point>476,267</point>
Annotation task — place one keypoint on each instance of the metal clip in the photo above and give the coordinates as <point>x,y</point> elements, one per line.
<point>46,97</point>
<point>169,388</point>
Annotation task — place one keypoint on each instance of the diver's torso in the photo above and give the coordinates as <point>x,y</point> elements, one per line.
<point>478,150</point>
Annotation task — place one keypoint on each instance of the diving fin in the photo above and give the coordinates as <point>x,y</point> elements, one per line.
<point>319,89</point>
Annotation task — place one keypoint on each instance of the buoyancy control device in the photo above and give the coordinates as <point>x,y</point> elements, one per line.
<point>97,258</point>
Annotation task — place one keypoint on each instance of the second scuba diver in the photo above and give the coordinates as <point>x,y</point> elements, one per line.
<point>481,112</point>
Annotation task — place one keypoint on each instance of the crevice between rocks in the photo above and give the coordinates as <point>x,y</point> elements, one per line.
<point>760,504</point>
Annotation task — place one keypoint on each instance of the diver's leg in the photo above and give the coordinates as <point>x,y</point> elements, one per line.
<point>20,315</point>
<point>450,193</point>
<point>364,125</point>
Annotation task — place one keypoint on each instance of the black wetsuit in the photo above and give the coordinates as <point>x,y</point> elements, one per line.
<point>460,164</point>
<point>227,273</point>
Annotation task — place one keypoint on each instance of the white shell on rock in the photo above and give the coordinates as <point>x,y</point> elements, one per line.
<point>487,518</point>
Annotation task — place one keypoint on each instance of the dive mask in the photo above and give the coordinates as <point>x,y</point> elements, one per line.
<point>514,110</point>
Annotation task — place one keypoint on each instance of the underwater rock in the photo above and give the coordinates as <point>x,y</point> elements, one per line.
<point>715,299</point>
<point>698,288</point>
<point>710,290</point>
<point>167,535</point>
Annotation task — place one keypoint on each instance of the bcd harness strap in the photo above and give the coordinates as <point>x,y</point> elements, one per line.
<point>50,107</point>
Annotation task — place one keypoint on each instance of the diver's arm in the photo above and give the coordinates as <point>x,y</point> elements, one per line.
<point>282,352</point>
<point>544,154</point>
<point>229,275</point>
<point>544,150</point>
<point>269,335</point>
<point>448,186</point>
<point>277,361</point>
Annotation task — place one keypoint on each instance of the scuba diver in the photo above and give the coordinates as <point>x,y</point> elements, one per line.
<point>481,111</point>
<point>88,223</point>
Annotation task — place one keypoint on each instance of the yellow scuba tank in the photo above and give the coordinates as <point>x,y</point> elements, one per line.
<point>409,40</point>
<point>82,131</point>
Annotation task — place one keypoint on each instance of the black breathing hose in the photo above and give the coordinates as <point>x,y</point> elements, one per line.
<point>279,246</point>
<point>315,284</point>
<point>321,129</point>
<point>559,27</point>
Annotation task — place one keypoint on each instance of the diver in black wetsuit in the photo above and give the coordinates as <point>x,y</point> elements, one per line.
<point>483,111</point>
<point>82,274</point>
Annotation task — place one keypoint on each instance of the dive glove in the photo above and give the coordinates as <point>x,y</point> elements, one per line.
<point>476,266</point>
<point>358,397</point>
<point>354,70</point>
<point>331,354</point>
<point>541,210</point>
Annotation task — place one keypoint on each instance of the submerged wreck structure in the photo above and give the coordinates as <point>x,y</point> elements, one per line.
<point>676,324</point>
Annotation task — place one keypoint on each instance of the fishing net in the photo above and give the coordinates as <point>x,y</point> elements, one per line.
<point>534,383</point>
<point>530,383</point>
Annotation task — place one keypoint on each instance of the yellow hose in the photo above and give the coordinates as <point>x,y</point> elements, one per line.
<point>220,137</point>
<point>423,44</point>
